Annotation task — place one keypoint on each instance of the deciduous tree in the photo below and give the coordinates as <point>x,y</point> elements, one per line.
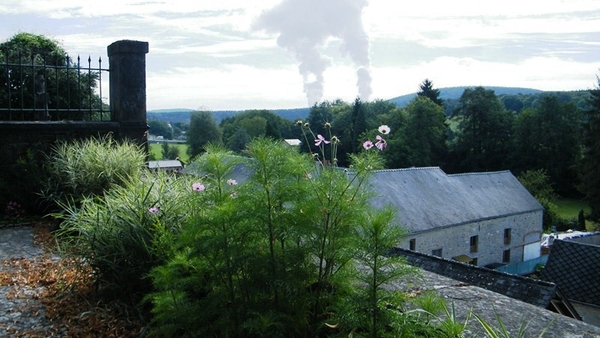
<point>484,132</point>
<point>203,130</point>
<point>425,133</point>
<point>49,79</point>
<point>549,137</point>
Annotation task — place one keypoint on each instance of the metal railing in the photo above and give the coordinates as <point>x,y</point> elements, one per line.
<point>36,87</point>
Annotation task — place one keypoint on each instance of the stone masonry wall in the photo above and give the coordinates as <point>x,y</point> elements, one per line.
<point>455,240</point>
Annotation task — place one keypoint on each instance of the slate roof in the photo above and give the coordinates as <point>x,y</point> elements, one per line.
<point>535,292</point>
<point>165,164</point>
<point>428,198</point>
<point>575,268</point>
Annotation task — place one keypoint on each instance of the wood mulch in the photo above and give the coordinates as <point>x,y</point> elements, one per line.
<point>43,295</point>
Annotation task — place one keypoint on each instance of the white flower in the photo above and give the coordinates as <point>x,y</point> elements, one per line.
<point>384,129</point>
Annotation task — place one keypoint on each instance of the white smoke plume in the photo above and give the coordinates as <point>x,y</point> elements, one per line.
<point>305,25</point>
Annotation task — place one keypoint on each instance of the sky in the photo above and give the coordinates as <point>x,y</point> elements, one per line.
<point>277,54</point>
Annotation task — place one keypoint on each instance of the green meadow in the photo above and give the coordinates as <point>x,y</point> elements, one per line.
<point>156,150</point>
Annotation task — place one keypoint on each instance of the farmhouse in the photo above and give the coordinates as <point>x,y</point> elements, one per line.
<point>167,165</point>
<point>485,219</point>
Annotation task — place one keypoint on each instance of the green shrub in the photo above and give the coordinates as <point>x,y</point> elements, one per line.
<point>294,251</point>
<point>83,168</point>
<point>21,182</point>
<point>127,231</point>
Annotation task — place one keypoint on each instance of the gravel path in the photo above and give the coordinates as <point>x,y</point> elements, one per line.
<point>20,307</point>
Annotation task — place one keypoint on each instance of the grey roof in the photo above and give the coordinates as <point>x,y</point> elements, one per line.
<point>428,198</point>
<point>536,292</point>
<point>241,172</point>
<point>165,164</point>
<point>464,300</point>
<point>575,268</point>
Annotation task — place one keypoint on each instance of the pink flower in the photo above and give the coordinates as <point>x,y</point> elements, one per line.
<point>198,187</point>
<point>384,129</point>
<point>368,145</point>
<point>320,139</point>
<point>381,143</point>
<point>231,182</point>
<point>153,210</point>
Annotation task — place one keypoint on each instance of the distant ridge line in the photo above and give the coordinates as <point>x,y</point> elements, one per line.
<point>448,93</point>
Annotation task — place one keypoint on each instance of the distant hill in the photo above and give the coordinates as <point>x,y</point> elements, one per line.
<point>183,115</point>
<point>451,95</point>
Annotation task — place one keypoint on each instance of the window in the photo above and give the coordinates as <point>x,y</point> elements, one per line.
<point>473,243</point>
<point>412,244</point>
<point>506,256</point>
<point>474,261</point>
<point>437,252</point>
<point>507,236</point>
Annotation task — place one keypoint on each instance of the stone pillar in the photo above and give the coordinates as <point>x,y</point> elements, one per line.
<point>127,71</point>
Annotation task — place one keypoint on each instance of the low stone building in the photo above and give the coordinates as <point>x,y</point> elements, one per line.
<point>485,219</point>
<point>166,165</point>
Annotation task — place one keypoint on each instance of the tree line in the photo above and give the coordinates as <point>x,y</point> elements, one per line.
<point>555,137</point>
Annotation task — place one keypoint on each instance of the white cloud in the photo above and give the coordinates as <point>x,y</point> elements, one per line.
<point>551,74</point>
<point>207,54</point>
<point>237,87</point>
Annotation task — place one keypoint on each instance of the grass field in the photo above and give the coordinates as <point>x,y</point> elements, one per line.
<point>156,150</point>
<point>569,207</point>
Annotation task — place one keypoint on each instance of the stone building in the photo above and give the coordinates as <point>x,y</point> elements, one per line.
<point>485,219</point>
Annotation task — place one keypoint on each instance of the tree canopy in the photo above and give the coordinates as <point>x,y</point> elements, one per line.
<point>37,75</point>
<point>590,164</point>
<point>427,90</point>
<point>484,131</point>
<point>203,131</point>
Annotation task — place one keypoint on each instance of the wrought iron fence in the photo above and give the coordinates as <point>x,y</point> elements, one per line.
<point>36,87</point>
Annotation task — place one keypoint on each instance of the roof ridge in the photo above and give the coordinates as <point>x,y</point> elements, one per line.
<point>480,173</point>
<point>409,169</point>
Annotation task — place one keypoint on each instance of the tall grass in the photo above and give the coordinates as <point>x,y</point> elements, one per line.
<point>89,167</point>
<point>128,230</point>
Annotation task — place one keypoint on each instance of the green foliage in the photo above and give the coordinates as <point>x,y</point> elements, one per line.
<point>20,183</point>
<point>427,90</point>
<point>160,128</point>
<point>549,137</point>
<point>203,130</point>
<point>484,132</point>
<point>169,152</point>
<point>89,167</point>
<point>366,311</point>
<point>581,220</point>
<point>537,182</point>
<point>425,134</point>
<point>44,62</point>
<point>589,172</point>
<point>156,151</point>
<point>277,247</point>
<point>128,230</point>
<point>239,129</point>
<point>502,332</point>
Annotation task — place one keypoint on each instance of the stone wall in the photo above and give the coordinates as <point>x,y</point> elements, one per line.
<point>455,240</point>
<point>24,145</point>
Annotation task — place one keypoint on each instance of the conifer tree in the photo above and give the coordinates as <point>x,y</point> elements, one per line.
<point>590,168</point>
<point>427,90</point>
